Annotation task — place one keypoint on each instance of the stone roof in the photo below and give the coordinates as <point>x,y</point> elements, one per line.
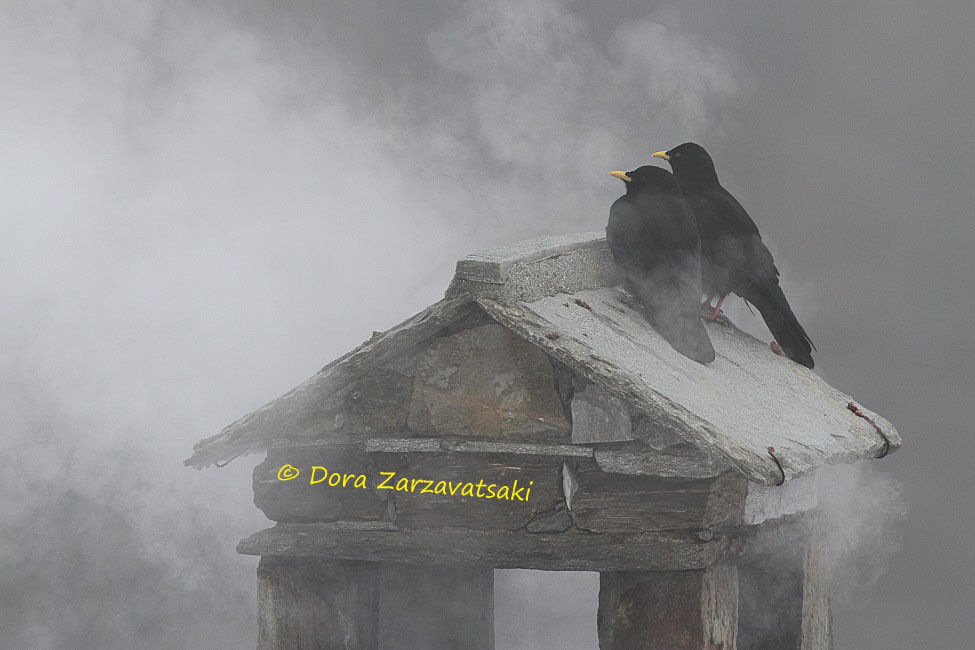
<point>562,295</point>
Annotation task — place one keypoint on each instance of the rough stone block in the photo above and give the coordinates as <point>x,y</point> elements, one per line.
<point>817,611</point>
<point>417,509</point>
<point>598,416</point>
<point>487,382</point>
<point>764,502</point>
<point>297,500</point>
<point>613,503</point>
<point>652,434</point>
<point>674,461</point>
<point>550,522</point>
<point>377,401</point>
<point>315,603</point>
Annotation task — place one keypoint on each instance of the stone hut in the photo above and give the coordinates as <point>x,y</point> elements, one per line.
<point>689,488</point>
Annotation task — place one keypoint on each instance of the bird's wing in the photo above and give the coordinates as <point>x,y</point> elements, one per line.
<point>758,281</point>
<point>633,234</point>
<point>654,239</point>
<point>756,258</point>
<point>671,296</point>
<point>623,217</point>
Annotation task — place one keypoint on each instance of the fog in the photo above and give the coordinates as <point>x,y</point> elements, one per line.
<point>205,202</point>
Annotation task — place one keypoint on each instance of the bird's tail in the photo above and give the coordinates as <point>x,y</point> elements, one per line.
<point>692,339</point>
<point>677,319</point>
<point>785,327</point>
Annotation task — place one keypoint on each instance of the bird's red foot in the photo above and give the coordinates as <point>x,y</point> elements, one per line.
<point>713,314</point>
<point>716,317</point>
<point>776,348</point>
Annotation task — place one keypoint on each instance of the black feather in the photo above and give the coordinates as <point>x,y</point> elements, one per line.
<point>654,240</point>
<point>734,258</point>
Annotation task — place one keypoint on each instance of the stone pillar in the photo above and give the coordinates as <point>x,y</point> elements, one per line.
<point>817,610</point>
<point>316,603</point>
<point>784,594</point>
<point>436,607</point>
<point>669,609</point>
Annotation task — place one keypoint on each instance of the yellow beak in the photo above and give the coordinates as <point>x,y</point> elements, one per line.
<point>621,175</point>
<point>661,154</point>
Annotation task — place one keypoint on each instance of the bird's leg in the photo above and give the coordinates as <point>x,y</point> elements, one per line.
<point>714,315</point>
<point>706,305</point>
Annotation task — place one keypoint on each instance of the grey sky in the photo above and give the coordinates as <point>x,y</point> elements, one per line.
<point>205,202</point>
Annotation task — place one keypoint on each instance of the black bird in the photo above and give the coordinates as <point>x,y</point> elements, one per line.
<point>734,259</point>
<point>654,239</point>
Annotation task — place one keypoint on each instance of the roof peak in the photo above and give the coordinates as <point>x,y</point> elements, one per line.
<point>535,268</point>
<point>493,265</point>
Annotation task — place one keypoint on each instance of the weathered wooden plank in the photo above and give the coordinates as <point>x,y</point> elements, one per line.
<point>299,409</point>
<point>572,550</point>
<point>621,503</point>
<point>317,603</point>
<point>675,610</point>
<point>487,382</point>
<point>743,403</point>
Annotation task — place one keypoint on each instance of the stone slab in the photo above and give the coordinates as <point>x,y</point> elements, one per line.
<point>494,265</point>
<point>615,503</point>
<point>769,502</point>
<point>572,550</point>
<point>599,416</point>
<point>746,401</point>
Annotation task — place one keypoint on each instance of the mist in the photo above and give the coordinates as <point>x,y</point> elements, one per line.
<point>206,202</point>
